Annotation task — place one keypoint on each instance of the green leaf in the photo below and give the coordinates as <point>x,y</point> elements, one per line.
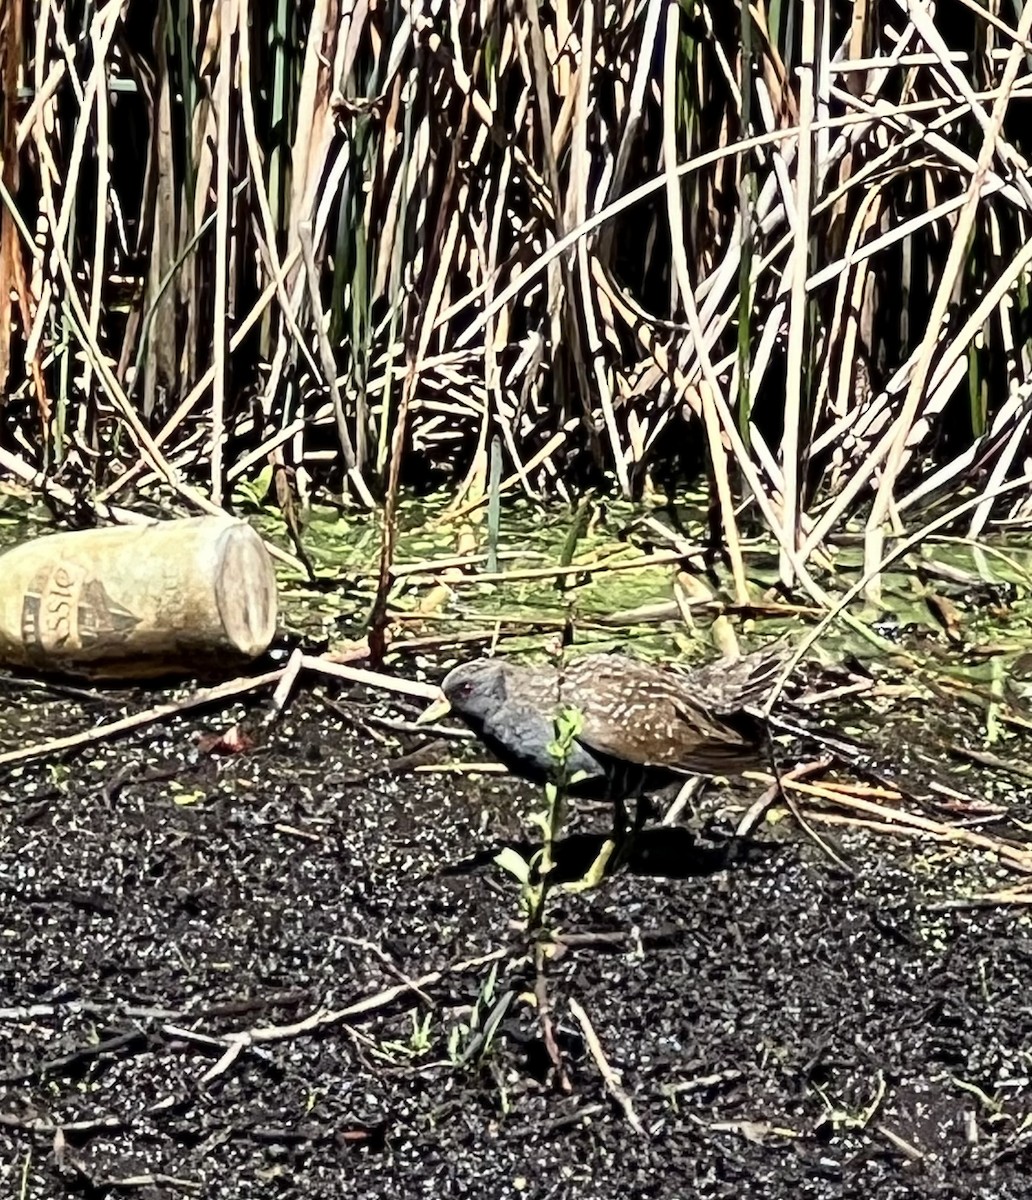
<point>512,862</point>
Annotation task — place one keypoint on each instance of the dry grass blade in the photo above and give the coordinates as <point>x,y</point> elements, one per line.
<point>894,819</point>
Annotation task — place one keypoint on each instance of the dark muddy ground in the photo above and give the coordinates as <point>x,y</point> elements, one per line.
<point>781,1028</point>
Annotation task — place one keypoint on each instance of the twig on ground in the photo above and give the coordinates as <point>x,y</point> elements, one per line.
<point>908,1149</point>
<point>816,699</point>
<point>702,1081</point>
<point>245,1039</point>
<point>900,820</point>
<point>421,759</point>
<point>544,1012</point>
<point>816,838</point>
<point>283,689</point>
<point>1019,894</point>
<point>437,730</point>
<point>609,1076</point>
<point>130,1042</point>
<point>18,682</point>
<point>389,963</point>
<point>441,641</point>
<point>613,938</point>
<point>284,676</point>
<point>756,811</point>
<point>463,768</point>
<point>985,759</point>
<point>150,716</point>
<point>293,831</point>
<point>326,665</point>
<point>360,722</point>
<point>177,1033</point>
<point>104,1184</point>
<point>82,1128</point>
<point>685,795</point>
<point>24,1013</point>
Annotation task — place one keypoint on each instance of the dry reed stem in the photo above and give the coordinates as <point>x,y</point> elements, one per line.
<point>534,324</point>
<point>1016,856</point>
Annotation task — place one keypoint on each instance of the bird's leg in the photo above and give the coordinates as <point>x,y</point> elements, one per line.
<point>619,821</point>
<point>642,811</point>
<point>619,816</point>
<point>626,838</point>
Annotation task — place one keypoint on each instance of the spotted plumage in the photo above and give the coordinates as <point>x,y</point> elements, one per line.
<point>643,724</point>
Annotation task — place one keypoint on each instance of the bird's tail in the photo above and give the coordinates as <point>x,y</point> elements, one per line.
<point>725,687</point>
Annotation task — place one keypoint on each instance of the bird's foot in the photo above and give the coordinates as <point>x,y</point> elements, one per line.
<point>596,872</point>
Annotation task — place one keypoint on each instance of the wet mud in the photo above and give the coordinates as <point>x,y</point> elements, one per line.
<point>172,923</point>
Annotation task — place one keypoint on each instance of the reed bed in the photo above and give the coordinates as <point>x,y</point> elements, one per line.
<point>784,247</point>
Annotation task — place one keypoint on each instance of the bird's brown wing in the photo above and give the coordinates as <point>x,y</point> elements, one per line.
<point>640,713</point>
<point>700,745</point>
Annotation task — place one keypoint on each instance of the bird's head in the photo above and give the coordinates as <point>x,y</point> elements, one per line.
<point>473,690</point>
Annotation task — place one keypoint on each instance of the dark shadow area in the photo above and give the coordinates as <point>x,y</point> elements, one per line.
<point>669,852</point>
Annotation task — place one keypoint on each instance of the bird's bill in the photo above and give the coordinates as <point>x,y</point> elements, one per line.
<point>437,709</point>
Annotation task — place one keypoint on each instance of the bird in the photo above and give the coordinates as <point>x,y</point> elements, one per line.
<point>643,725</point>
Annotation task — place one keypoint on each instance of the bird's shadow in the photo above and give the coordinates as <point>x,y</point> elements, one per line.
<point>670,852</point>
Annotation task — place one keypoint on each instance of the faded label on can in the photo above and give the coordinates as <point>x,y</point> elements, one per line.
<point>65,612</point>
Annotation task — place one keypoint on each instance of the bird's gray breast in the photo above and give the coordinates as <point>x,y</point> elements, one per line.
<point>520,735</point>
